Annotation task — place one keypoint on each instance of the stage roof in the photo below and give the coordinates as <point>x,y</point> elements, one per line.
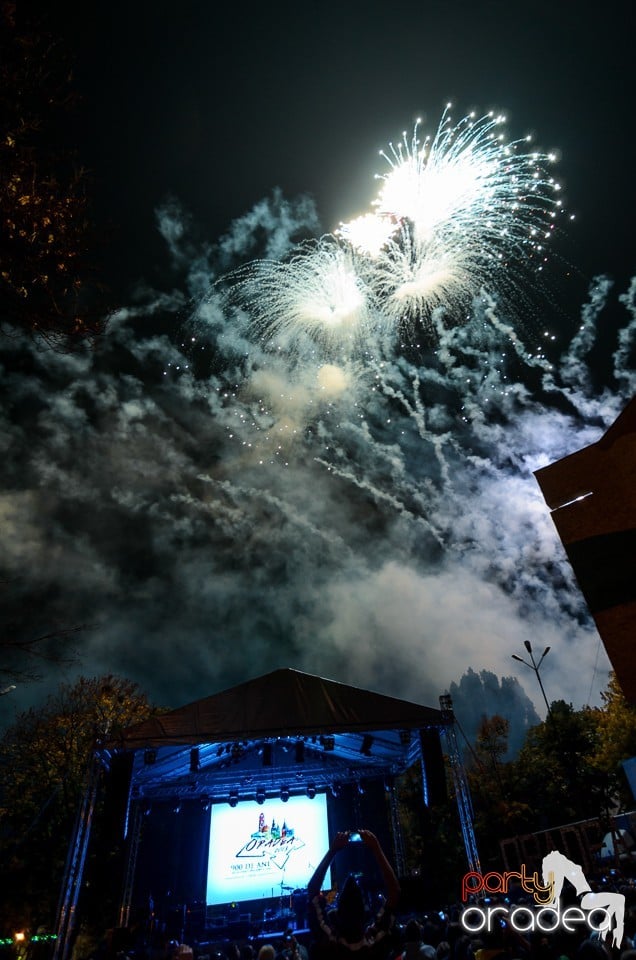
<point>280,703</point>
<point>284,728</point>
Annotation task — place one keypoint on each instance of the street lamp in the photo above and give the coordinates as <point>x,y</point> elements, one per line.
<point>535,666</point>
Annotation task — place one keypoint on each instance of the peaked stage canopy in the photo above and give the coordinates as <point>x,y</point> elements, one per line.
<point>285,728</point>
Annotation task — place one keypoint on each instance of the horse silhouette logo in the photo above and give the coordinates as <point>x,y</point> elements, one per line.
<point>556,869</point>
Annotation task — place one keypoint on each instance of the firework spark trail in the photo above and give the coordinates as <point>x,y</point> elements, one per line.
<point>382,461</point>
<point>415,410</point>
<point>623,358</point>
<point>490,313</point>
<point>285,509</point>
<point>228,519</point>
<point>233,512</point>
<point>471,386</point>
<point>463,366</point>
<point>574,372</point>
<point>379,495</point>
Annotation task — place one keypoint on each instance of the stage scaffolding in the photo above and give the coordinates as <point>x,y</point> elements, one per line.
<point>460,783</point>
<point>76,857</point>
<point>345,748</point>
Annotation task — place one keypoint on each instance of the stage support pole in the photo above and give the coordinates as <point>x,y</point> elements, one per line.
<point>75,860</point>
<point>396,831</point>
<point>132,849</point>
<point>462,790</point>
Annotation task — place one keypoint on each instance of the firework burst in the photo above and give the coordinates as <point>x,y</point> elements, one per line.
<point>319,293</point>
<point>475,209</point>
<point>465,210</point>
<point>470,177</point>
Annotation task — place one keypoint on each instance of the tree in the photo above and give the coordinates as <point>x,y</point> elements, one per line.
<point>46,286</point>
<point>44,759</point>
<point>20,654</point>
<point>483,693</point>
<point>569,768</point>
<point>616,726</point>
<point>500,810</point>
<point>557,767</point>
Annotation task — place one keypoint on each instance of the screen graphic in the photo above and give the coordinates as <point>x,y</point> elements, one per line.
<point>266,850</point>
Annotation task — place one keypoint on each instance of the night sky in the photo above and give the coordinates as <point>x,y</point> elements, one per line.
<point>397,538</point>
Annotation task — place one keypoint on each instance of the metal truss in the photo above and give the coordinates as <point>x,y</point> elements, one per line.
<point>74,869</point>
<point>460,783</point>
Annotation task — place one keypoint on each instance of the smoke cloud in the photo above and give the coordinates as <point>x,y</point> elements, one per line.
<point>214,506</point>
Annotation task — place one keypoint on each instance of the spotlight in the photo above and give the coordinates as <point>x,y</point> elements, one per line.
<point>150,756</point>
<point>335,790</point>
<point>311,790</point>
<point>284,794</point>
<point>205,803</point>
<point>267,754</point>
<point>367,743</point>
<point>146,810</point>
<point>360,788</point>
<point>300,751</point>
<point>194,760</point>
<point>328,742</point>
<point>177,807</point>
<point>233,799</point>
<point>260,795</point>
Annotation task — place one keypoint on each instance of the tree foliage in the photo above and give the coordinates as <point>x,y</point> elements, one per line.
<point>484,693</point>
<point>616,728</point>
<point>568,769</point>
<point>500,809</point>
<point>556,767</point>
<point>44,759</point>
<point>46,285</point>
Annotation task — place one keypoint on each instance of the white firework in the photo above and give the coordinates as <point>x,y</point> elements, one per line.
<point>411,279</point>
<point>320,292</point>
<point>474,208</point>
<point>466,210</point>
<point>368,233</point>
<point>470,177</point>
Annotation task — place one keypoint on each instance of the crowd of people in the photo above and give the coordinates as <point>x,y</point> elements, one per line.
<point>356,926</point>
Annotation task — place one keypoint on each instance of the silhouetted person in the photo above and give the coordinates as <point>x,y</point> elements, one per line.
<point>347,933</point>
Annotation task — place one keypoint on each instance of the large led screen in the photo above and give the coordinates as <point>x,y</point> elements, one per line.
<point>259,851</point>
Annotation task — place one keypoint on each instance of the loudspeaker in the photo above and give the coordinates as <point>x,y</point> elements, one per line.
<point>433,765</point>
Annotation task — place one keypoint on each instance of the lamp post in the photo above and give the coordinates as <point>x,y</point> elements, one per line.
<point>535,666</point>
